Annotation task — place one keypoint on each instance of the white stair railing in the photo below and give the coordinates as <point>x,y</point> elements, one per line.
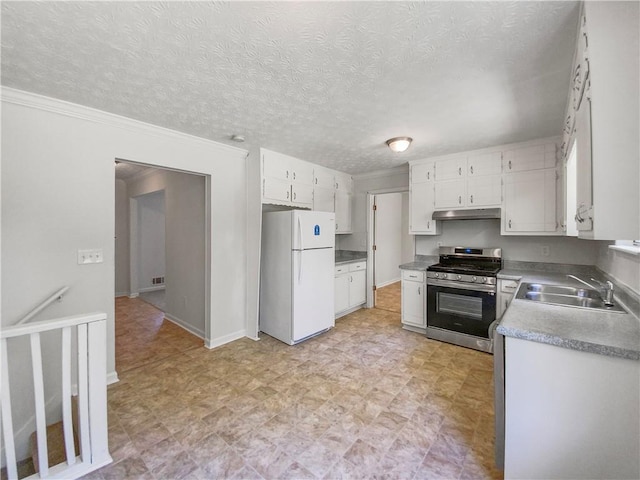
<point>90,363</point>
<point>44,304</point>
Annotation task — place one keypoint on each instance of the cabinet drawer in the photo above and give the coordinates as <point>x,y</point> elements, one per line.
<point>354,267</point>
<point>413,275</point>
<point>340,269</point>
<point>508,286</point>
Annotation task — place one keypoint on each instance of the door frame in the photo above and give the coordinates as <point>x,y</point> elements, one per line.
<point>371,238</point>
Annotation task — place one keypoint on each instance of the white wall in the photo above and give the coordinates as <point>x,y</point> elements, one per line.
<point>395,178</point>
<point>122,239</point>
<point>150,241</point>
<point>624,267</point>
<point>58,196</point>
<point>408,241</point>
<point>486,233</point>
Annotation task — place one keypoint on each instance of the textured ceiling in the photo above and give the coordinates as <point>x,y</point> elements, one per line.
<point>328,82</point>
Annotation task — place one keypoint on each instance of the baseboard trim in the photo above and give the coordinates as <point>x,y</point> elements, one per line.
<point>112,377</point>
<point>181,323</point>
<point>134,295</point>
<point>350,310</point>
<point>151,289</point>
<point>122,294</point>
<point>395,280</point>
<point>218,342</point>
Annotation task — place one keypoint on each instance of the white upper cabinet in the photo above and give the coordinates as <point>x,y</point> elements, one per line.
<point>421,200</point>
<point>530,203</point>
<point>323,177</point>
<point>482,164</point>
<point>343,200</point>
<point>323,189</point>
<point>533,157</point>
<point>286,180</point>
<point>603,122</point>
<point>343,182</point>
<point>451,168</point>
<point>484,191</point>
<point>450,194</point>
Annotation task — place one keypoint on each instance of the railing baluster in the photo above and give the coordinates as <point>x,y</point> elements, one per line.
<point>83,395</point>
<point>67,417</point>
<point>7,421</point>
<point>38,396</point>
<point>97,368</point>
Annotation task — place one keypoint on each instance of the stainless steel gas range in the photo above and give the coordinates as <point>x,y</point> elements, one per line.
<point>461,296</point>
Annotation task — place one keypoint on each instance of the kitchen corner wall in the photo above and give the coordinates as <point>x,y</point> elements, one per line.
<point>623,266</point>
<point>486,233</point>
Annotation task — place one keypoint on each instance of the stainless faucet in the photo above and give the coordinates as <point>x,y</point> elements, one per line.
<point>605,289</point>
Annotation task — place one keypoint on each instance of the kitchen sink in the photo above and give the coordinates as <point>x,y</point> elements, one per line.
<point>565,296</point>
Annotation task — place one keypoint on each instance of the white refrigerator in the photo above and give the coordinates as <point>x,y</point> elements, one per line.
<point>297,274</point>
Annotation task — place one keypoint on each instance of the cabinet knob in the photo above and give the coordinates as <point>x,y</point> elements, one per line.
<point>419,291</point>
<point>294,194</point>
<point>428,225</point>
<point>471,169</point>
<point>287,195</point>
<point>509,164</point>
<point>460,199</point>
<point>428,175</point>
<point>459,170</point>
<point>509,223</point>
<point>294,175</point>
<point>471,198</point>
<point>287,173</point>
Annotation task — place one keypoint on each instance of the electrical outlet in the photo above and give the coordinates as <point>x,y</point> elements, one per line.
<point>90,256</point>
<point>545,250</point>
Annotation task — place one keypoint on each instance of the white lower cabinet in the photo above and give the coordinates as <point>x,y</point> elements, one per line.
<point>569,413</point>
<point>350,287</point>
<point>414,300</point>
<point>506,291</point>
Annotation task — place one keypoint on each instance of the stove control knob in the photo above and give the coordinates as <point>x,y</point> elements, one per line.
<point>444,275</point>
<point>484,279</point>
<point>437,275</point>
<point>474,279</point>
<point>459,277</point>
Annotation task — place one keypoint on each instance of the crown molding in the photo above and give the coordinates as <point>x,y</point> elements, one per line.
<point>62,107</point>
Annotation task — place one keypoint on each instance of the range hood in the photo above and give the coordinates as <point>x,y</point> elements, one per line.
<point>474,214</point>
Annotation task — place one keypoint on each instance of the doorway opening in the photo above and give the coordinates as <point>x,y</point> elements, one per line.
<point>161,257</point>
<point>390,246</point>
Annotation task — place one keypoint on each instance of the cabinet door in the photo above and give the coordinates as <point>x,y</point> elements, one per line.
<point>357,288</point>
<point>534,157</point>
<point>451,169</point>
<point>484,164</point>
<point>584,200</point>
<point>421,206</point>
<point>302,172</point>
<point>450,194</point>
<point>530,201</point>
<point>302,195</point>
<point>276,191</point>
<point>276,166</point>
<point>323,178</point>
<point>342,283</point>
<point>413,303</point>
<point>343,211</point>
<point>484,191</point>
<point>344,182</point>
<point>422,172</point>
<point>323,199</point>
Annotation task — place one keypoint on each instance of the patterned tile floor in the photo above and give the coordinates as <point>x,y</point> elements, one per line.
<point>389,297</point>
<point>364,400</point>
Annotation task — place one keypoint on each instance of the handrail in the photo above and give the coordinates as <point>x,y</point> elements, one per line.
<point>54,324</point>
<point>56,296</point>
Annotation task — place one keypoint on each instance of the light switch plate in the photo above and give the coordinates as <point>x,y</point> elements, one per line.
<point>90,256</point>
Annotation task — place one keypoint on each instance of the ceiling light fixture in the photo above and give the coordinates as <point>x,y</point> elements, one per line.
<point>237,138</point>
<point>399,144</point>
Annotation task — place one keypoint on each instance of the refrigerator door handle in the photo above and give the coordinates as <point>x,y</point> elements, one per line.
<point>300,234</point>
<point>300,267</point>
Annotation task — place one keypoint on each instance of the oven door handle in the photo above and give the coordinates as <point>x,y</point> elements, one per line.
<point>478,287</point>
